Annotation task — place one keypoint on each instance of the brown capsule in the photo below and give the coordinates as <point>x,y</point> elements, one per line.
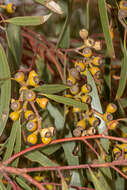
<point>77,132</point>
<point>83,34</point>
<point>74,73</point>
<point>97,46</point>
<point>74,89</point>
<point>90,131</point>
<point>90,42</point>
<point>45,132</point>
<point>52,130</point>
<point>87,52</point>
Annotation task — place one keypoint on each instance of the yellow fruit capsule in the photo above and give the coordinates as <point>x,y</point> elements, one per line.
<point>74,89</point>
<point>107,117</point>
<point>87,52</point>
<point>111,108</point>
<point>32,138</point>
<point>94,121</point>
<point>29,114</point>
<point>80,66</point>
<point>30,95</point>
<point>74,73</point>
<point>95,71</point>
<point>19,77</point>
<point>116,152</point>
<point>14,115</point>
<point>122,147</point>
<point>125,156</point>
<point>49,187</point>
<point>89,42</point>
<point>68,95</point>
<point>84,73</point>
<point>97,61</point>
<point>66,110</point>
<point>82,123</point>
<point>123,5</point>
<point>42,102</point>
<point>97,46</point>
<point>71,81</point>
<point>15,105</point>
<point>10,8</point>
<point>124,169</point>
<point>76,110</point>
<point>112,33</point>
<point>46,140</point>
<point>45,132</point>
<point>31,126</point>
<point>86,88</point>
<point>33,78</point>
<point>113,125</point>
<point>86,99</point>
<point>23,89</point>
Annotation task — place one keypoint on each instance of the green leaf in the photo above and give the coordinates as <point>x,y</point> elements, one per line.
<point>23,183</point>
<point>67,101</point>
<point>68,146</point>
<point>51,5</point>
<point>123,75</point>
<point>105,26</point>
<point>123,102</point>
<point>105,176</point>
<point>28,20</point>
<point>65,32</point>
<point>120,182</point>
<point>96,182</point>
<point>11,141</point>
<point>5,88</point>
<point>14,40</point>
<point>51,149</point>
<point>50,88</point>
<point>64,185</point>
<point>97,106</point>
<point>17,147</point>
<point>2,186</point>
<point>40,158</point>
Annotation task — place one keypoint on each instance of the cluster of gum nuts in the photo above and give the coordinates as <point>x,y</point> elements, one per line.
<point>26,105</point>
<point>120,150</point>
<point>80,89</point>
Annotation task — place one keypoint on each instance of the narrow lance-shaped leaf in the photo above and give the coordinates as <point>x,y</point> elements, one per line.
<point>68,146</point>
<point>14,40</point>
<point>5,88</point>
<point>11,141</point>
<point>51,88</point>
<point>67,101</point>
<point>64,185</point>
<point>51,5</point>
<point>96,182</point>
<point>105,26</point>
<point>40,158</point>
<point>22,183</point>
<point>29,20</point>
<point>123,75</point>
<point>97,106</point>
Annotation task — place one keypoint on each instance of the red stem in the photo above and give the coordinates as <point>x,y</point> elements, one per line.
<point>124,140</point>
